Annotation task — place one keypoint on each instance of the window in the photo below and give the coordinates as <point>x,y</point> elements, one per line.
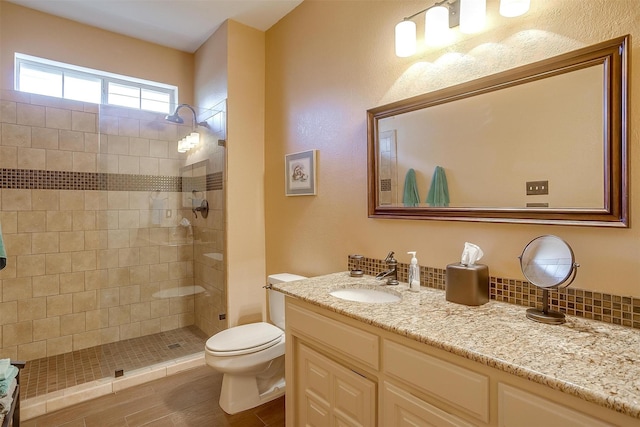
<point>51,78</point>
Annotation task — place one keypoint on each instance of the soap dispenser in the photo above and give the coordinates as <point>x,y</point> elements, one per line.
<point>414,273</point>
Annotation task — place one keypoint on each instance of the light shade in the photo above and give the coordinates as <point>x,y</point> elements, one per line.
<point>511,8</point>
<point>193,139</point>
<point>472,15</point>
<point>188,142</point>
<point>405,39</point>
<point>436,26</point>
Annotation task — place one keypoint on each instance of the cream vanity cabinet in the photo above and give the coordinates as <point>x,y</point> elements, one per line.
<point>342,372</point>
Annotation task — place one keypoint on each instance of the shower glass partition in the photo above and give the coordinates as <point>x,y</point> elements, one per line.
<point>108,271</point>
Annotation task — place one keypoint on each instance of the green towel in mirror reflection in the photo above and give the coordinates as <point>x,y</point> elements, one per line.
<point>411,196</point>
<point>439,190</point>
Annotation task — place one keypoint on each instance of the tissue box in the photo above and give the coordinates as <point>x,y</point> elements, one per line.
<point>467,284</point>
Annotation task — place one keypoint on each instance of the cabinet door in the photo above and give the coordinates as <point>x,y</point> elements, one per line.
<point>519,408</point>
<point>402,409</point>
<point>328,394</point>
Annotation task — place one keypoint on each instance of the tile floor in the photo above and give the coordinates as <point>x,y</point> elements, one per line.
<point>189,398</point>
<point>50,374</point>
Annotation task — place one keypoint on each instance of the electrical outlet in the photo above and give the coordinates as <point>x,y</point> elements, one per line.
<point>537,188</point>
<point>167,213</point>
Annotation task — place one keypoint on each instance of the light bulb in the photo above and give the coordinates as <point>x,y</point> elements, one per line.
<point>193,139</point>
<point>511,8</point>
<point>472,15</point>
<point>182,146</point>
<point>405,39</point>
<point>436,26</point>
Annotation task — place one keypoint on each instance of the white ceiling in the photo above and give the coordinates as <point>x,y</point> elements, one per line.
<point>180,24</point>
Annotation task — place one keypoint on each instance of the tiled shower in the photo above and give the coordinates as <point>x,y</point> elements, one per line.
<point>96,214</point>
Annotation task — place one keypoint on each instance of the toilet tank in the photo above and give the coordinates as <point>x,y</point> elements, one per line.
<point>276,299</point>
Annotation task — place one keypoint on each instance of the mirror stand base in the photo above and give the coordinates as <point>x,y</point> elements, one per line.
<point>546,316</point>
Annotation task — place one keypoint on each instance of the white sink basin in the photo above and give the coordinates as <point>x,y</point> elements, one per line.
<point>375,296</point>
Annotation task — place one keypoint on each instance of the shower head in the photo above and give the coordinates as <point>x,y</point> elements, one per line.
<point>175,118</point>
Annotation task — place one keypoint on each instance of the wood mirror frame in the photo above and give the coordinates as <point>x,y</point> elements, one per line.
<point>613,55</point>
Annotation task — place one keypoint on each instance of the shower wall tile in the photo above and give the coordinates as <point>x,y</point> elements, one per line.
<point>45,242</point>
<point>71,141</point>
<point>85,162</point>
<point>158,148</point>
<point>15,135</point>
<point>70,283</point>
<point>16,200</point>
<point>42,137</point>
<point>47,328</point>
<point>129,127</point>
<point>32,350</point>
<point>20,243</point>
<point>58,118</point>
<point>8,111</point>
<point>83,121</point>
<point>45,200</point>
<point>8,157</point>
<point>58,161</point>
<point>17,288</point>
<point>30,115</point>
<point>31,158</point>
<point>91,143</point>
<point>46,285</point>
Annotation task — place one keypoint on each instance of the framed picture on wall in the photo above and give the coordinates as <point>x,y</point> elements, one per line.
<point>300,173</point>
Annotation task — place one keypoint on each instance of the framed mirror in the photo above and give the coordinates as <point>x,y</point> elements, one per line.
<point>543,143</point>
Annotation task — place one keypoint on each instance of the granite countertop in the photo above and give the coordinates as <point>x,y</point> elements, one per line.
<point>595,361</point>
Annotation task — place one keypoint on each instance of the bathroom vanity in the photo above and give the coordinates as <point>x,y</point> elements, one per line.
<point>425,361</point>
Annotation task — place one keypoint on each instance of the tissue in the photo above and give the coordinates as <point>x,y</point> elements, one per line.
<point>470,254</point>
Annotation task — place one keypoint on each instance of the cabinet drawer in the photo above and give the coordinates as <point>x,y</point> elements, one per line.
<point>464,389</point>
<point>402,409</point>
<point>352,342</point>
<point>519,408</point>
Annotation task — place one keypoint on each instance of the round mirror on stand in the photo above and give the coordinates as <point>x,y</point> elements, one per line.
<point>548,262</point>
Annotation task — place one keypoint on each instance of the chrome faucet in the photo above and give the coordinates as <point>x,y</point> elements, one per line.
<point>392,273</point>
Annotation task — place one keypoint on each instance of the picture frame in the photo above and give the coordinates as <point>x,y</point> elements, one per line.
<point>300,173</point>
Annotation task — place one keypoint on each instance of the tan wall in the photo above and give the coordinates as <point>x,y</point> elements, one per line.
<point>231,64</point>
<point>39,34</point>
<point>328,62</point>
<point>245,168</point>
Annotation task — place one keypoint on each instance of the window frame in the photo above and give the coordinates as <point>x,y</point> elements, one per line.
<point>105,77</point>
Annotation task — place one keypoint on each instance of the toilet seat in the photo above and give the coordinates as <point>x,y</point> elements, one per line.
<point>244,339</point>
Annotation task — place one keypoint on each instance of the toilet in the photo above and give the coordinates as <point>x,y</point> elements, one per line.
<point>251,356</point>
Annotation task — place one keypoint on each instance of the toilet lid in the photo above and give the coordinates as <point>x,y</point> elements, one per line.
<point>245,339</point>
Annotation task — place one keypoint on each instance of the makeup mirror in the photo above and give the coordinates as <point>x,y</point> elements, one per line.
<point>548,262</point>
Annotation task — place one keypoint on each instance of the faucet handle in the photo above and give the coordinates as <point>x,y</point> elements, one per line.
<point>390,259</point>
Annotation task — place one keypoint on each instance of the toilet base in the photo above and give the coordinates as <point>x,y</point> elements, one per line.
<point>242,392</point>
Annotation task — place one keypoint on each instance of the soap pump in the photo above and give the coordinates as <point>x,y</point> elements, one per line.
<point>414,273</point>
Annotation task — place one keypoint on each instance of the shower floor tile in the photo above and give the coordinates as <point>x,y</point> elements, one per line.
<point>49,374</point>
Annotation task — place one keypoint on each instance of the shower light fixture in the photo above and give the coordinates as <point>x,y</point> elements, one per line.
<point>193,139</point>
<point>470,15</point>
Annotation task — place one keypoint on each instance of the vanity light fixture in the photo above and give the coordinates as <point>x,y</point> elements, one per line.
<point>470,15</point>
<point>511,8</point>
<point>193,139</point>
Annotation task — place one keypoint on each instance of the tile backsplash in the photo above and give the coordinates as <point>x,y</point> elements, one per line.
<point>609,308</point>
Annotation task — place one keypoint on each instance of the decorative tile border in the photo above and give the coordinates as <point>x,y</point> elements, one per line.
<point>31,179</point>
<point>608,308</point>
